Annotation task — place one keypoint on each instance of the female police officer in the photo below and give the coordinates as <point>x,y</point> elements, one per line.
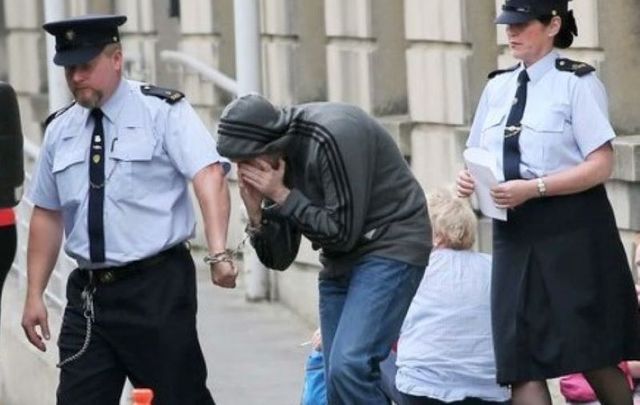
<point>562,294</point>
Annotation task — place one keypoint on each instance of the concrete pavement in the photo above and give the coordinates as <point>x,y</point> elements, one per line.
<point>252,350</point>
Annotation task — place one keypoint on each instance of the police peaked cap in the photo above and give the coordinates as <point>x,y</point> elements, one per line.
<point>522,11</point>
<point>80,39</point>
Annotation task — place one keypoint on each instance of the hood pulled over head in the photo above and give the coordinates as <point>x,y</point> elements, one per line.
<point>252,126</point>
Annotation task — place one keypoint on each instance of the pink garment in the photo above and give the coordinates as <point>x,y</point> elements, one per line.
<point>575,388</point>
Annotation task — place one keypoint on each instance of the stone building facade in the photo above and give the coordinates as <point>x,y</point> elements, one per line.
<point>418,65</point>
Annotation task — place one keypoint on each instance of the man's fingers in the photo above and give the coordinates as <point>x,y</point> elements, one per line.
<point>44,327</point>
<point>241,184</point>
<point>230,283</point>
<point>255,183</point>
<point>33,337</point>
<point>224,275</point>
<point>225,282</point>
<point>250,170</point>
<point>263,164</point>
<point>252,176</point>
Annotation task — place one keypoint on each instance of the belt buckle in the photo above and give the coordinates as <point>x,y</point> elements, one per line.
<point>106,277</point>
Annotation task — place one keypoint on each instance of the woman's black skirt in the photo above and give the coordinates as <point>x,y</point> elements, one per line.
<point>563,299</point>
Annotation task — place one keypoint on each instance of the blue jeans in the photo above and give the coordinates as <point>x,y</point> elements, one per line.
<point>360,317</point>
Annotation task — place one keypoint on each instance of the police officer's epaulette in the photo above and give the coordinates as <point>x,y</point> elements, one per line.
<point>168,95</point>
<point>56,114</point>
<point>501,71</point>
<point>577,68</point>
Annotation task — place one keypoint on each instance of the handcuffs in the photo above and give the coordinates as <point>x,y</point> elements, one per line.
<point>228,254</point>
<point>224,256</point>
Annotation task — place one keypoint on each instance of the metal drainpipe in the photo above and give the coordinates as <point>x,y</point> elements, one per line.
<point>248,76</point>
<point>58,92</point>
<point>248,47</point>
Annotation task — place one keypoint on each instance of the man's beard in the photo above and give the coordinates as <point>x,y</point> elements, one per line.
<point>88,98</point>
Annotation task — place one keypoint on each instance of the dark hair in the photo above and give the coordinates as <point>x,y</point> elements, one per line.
<point>564,38</point>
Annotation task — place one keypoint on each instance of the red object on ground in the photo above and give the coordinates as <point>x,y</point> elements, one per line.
<point>7,217</point>
<point>142,396</point>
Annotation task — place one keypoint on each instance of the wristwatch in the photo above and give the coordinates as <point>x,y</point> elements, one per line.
<point>542,188</point>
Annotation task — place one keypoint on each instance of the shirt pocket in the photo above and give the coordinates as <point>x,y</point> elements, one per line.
<point>493,130</point>
<point>71,176</point>
<point>547,121</point>
<point>131,155</point>
<point>542,133</point>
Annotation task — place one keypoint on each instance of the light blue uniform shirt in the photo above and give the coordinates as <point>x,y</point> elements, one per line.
<point>445,349</point>
<point>152,149</point>
<point>565,118</point>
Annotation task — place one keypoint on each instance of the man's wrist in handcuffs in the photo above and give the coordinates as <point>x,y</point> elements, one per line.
<point>219,257</point>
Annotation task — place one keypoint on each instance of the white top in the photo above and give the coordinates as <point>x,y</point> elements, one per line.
<point>565,118</point>
<point>445,349</point>
<point>152,149</point>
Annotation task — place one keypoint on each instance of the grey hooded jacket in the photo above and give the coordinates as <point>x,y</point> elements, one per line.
<point>352,193</point>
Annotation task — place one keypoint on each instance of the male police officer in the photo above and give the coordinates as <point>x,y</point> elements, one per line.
<point>113,174</point>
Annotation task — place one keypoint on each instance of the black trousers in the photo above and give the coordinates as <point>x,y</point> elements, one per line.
<point>144,329</point>
<point>412,400</point>
<point>8,243</point>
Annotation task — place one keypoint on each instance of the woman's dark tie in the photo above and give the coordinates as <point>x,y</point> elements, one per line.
<point>511,148</point>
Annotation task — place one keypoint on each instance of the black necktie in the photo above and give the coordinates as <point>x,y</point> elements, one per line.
<point>96,189</point>
<point>511,148</point>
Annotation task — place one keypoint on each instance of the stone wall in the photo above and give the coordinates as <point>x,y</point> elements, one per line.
<point>25,60</point>
<point>3,45</point>
<point>206,33</point>
<point>293,51</point>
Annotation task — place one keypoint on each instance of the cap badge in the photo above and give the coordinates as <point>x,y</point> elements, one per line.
<point>70,35</point>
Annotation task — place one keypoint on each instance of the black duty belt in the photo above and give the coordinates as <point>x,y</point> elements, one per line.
<point>109,275</point>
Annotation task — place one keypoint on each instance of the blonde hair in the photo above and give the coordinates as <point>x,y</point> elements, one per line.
<point>452,219</point>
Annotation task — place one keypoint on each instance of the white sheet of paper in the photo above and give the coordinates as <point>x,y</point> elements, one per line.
<point>482,166</point>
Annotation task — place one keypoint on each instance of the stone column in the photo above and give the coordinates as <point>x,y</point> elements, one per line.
<point>365,61</point>
<point>139,39</point>
<point>80,7</point>
<point>452,48</point>
<point>26,62</point>
<point>620,38</point>
<point>201,26</point>
<point>293,52</point>
<point>3,45</point>
<point>624,192</point>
